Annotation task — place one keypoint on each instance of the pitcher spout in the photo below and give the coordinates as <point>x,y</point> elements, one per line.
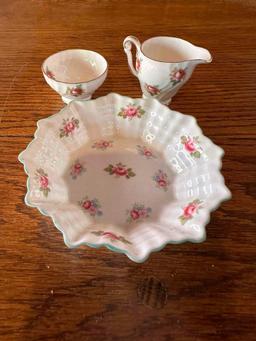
<point>203,56</point>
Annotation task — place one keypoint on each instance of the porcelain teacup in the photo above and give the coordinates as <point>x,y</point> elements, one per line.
<point>75,74</point>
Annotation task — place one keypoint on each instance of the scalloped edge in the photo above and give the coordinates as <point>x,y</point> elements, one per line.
<point>228,194</point>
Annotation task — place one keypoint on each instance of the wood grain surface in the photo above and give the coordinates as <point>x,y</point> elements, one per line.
<point>185,292</point>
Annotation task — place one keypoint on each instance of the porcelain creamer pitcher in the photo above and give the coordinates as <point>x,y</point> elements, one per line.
<point>164,64</point>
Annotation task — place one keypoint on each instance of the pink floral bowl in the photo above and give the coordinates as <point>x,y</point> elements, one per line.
<point>75,74</point>
<point>128,174</point>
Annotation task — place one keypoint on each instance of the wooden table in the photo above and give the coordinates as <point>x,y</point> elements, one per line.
<point>49,292</point>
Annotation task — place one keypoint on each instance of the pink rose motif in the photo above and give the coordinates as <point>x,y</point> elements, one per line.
<point>69,127</point>
<point>179,75</point>
<point>153,90</point>
<point>105,144</point>
<point>77,168</point>
<point>131,111</point>
<point>135,214</point>
<point>110,235</point>
<point>148,153</point>
<point>92,210</point>
<point>143,213</point>
<point>44,181</point>
<point>190,210</point>
<point>120,171</point>
<point>162,183</point>
<point>87,204</point>
<point>49,74</point>
<point>189,146</point>
<point>137,64</point>
<point>76,91</point>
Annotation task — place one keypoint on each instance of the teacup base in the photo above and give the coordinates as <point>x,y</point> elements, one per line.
<point>166,102</point>
<point>68,100</point>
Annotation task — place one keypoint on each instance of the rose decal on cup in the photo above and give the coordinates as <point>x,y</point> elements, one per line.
<point>103,144</point>
<point>138,212</point>
<point>69,125</point>
<point>111,236</point>
<point>191,145</point>
<point>143,150</point>
<point>161,180</point>
<point>131,111</point>
<point>91,206</point>
<point>120,170</point>
<point>177,75</point>
<point>190,210</point>
<point>76,169</point>
<point>43,180</point>
<point>49,73</point>
<point>75,91</point>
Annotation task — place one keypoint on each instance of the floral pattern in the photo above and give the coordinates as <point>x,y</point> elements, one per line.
<point>131,111</point>
<point>138,213</point>
<point>190,145</point>
<point>120,170</point>
<point>69,125</point>
<point>49,73</point>
<point>76,169</point>
<point>143,150</point>
<point>103,144</point>
<point>92,206</point>
<point>190,210</point>
<point>152,90</point>
<point>43,181</point>
<point>138,64</point>
<point>177,75</point>
<point>75,91</point>
<point>161,180</point>
<point>111,236</point>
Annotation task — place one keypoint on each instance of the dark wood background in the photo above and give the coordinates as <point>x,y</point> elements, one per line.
<point>185,292</point>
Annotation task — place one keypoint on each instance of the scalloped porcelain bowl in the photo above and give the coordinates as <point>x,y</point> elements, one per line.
<point>129,174</point>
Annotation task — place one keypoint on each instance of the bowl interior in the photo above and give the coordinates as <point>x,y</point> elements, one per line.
<point>119,182</point>
<point>75,66</point>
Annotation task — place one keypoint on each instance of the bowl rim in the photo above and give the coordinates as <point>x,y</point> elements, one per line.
<point>80,82</point>
<point>107,245</point>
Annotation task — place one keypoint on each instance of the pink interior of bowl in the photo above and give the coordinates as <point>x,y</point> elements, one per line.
<point>74,66</point>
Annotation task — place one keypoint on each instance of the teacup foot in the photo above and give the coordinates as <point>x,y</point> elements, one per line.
<point>68,100</point>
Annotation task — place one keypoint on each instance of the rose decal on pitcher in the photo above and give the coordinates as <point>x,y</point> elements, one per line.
<point>138,64</point>
<point>69,125</point>
<point>190,210</point>
<point>43,181</point>
<point>177,75</point>
<point>131,111</point>
<point>152,90</point>
<point>111,236</point>
<point>120,170</point>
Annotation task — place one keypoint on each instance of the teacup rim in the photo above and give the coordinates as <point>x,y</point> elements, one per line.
<point>80,82</point>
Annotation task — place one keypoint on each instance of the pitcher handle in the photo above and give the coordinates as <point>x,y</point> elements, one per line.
<point>127,44</point>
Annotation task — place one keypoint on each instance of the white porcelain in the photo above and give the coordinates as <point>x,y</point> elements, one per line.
<point>164,64</point>
<point>75,74</point>
<point>129,174</point>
